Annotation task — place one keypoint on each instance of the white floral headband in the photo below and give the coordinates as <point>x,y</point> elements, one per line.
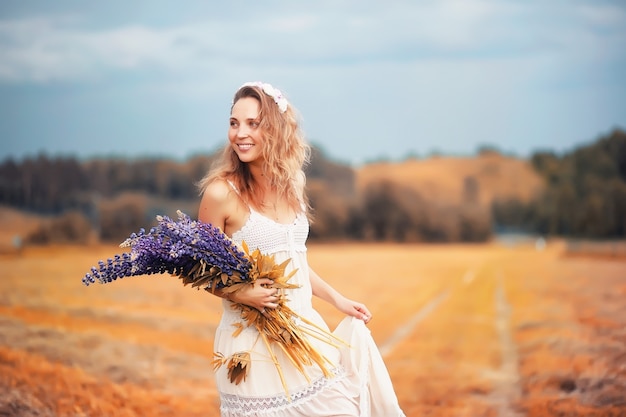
<point>274,93</point>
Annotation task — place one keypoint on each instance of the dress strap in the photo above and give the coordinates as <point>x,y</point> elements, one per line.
<point>234,187</point>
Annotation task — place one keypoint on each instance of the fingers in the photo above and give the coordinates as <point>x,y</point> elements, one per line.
<point>272,300</point>
<point>270,303</point>
<point>363,313</point>
<point>264,281</point>
<point>272,296</point>
<point>365,317</point>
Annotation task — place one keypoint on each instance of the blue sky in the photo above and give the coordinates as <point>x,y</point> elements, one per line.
<point>371,79</point>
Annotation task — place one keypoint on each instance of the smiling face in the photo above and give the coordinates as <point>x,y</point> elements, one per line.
<point>245,133</point>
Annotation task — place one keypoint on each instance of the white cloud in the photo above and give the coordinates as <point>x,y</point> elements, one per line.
<point>292,24</point>
<point>605,15</point>
<point>51,49</point>
<point>334,34</point>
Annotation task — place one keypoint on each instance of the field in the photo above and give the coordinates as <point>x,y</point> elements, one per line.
<point>485,330</point>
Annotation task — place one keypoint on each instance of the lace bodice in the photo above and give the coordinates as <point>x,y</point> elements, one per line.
<point>271,237</point>
<point>284,241</point>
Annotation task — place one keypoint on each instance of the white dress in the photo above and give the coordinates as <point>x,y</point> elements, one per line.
<point>361,385</point>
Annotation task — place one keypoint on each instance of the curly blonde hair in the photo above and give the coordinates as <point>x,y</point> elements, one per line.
<point>285,153</point>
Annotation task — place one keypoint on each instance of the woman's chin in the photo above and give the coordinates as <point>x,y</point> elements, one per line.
<point>246,159</point>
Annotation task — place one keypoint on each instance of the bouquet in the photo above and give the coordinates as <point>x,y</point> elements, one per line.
<point>202,256</point>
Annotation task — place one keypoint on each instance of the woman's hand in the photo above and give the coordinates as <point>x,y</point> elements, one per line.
<point>259,295</point>
<point>327,293</point>
<point>354,309</point>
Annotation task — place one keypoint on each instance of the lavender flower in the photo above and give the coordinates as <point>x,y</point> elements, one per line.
<point>203,256</point>
<point>199,253</point>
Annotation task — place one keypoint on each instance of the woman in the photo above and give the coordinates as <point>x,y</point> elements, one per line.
<point>255,194</point>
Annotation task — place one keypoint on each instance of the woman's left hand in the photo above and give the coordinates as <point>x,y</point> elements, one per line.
<point>354,309</point>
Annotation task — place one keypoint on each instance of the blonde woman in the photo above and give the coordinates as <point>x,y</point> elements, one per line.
<point>255,193</point>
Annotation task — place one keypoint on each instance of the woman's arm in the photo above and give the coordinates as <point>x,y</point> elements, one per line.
<point>322,289</point>
<point>327,293</point>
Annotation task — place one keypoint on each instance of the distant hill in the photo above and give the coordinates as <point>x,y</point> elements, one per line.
<point>445,178</point>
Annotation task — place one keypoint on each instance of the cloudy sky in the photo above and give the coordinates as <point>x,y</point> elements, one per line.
<point>371,79</point>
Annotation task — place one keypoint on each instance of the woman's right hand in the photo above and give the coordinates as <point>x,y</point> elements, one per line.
<point>259,295</point>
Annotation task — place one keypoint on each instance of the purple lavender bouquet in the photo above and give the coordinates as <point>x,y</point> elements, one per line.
<point>198,253</point>
<point>203,256</point>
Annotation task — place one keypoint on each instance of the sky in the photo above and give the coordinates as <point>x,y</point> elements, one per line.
<point>371,80</point>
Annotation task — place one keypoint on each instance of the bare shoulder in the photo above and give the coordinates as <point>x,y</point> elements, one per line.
<point>217,201</point>
<point>222,207</point>
<point>217,192</point>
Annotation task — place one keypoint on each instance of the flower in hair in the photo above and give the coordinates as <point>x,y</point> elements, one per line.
<point>274,93</point>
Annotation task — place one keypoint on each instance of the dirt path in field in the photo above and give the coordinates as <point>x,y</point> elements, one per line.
<point>407,328</point>
<point>507,392</point>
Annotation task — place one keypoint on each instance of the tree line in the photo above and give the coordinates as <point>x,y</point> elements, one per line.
<point>585,193</point>
<point>52,185</point>
<point>107,199</point>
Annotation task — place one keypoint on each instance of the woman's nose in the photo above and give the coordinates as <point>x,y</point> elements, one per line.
<point>242,132</point>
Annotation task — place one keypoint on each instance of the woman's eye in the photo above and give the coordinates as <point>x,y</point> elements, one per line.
<point>254,124</point>
<point>233,123</point>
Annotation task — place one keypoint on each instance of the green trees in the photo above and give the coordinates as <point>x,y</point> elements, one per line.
<point>585,193</point>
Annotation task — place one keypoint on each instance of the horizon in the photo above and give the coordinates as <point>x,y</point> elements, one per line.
<point>370,161</point>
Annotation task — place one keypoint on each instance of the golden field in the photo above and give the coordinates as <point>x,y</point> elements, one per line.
<point>483,330</point>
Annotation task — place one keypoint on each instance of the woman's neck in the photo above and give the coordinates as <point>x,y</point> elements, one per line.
<point>259,177</point>
<point>271,202</point>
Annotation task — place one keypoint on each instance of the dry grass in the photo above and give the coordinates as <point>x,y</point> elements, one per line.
<point>465,331</point>
<point>614,249</point>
